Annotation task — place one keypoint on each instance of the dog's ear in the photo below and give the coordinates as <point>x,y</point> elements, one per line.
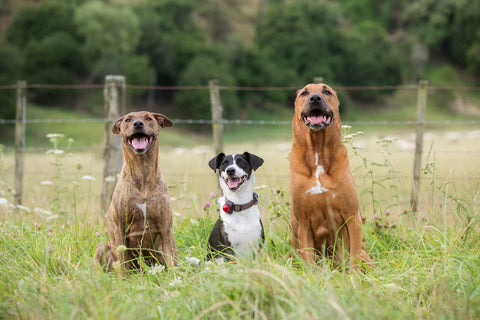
<point>116,125</point>
<point>254,160</point>
<point>163,120</point>
<point>215,162</point>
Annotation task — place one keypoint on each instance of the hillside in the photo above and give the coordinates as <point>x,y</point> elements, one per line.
<point>254,43</point>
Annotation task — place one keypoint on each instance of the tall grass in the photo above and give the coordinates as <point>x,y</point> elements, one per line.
<point>426,267</point>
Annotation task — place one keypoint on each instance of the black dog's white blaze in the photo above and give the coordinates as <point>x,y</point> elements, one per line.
<point>241,231</point>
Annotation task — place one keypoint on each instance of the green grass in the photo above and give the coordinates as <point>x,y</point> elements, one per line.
<point>426,267</point>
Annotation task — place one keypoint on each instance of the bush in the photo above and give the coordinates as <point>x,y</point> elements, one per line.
<point>55,59</point>
<point>196,103</point>
<point>35,22</point>
<point>10,63</point>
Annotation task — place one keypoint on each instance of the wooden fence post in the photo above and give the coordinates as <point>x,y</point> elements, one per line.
<point>114,95</point>
<point>421,107</point>
<point>217,126</point>
<point>317,79</point>
<point>20,119</point>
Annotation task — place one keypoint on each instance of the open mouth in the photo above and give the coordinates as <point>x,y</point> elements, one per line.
<point>316,119</point>
<point>139,142</point>
<point>234,183</point>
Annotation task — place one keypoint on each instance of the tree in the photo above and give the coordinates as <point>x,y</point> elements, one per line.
<point>196,103</point>
<point>110,36</point>
<point>54,59</point>
<point>449,27</point>
<point>34,22</point>
<point>170,37</point>
<point>309,38</point>
<point>11,61</point>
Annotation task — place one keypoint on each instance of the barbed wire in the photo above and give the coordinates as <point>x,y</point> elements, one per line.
<point>253,122</point>
<point>275,175</point>
<point>234,88</point>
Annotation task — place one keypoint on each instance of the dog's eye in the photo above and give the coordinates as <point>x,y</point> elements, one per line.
<point>304,93</point>
<point>128,120</point>
<point>327,92</point>
<point>149,119</point>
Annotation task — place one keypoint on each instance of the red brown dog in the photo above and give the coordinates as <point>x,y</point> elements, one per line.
<point>325,211</point>
<point>140,215</point>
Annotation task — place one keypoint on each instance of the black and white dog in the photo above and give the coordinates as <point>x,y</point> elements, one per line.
<point>239,230</point>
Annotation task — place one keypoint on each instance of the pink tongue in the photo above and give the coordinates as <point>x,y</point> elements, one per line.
<point>233,183</point>
<point>140,143</point>
<point>317,120</point>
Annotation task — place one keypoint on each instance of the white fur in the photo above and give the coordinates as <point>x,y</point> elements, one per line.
<point>143,207</point>
<point>243,228</point>
<point>318,188</point>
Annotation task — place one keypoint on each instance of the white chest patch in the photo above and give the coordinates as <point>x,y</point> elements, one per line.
<point>143,208</point>
<point>317,189</point>
<point>243,230</point>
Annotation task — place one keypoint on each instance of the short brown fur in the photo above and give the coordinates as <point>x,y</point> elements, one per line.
<point>140,193</point>
<point>328,219</point>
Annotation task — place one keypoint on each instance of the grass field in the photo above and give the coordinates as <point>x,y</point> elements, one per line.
<point>427,265</point>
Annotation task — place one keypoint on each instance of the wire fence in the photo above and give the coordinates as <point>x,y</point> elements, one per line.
<point>216,122</point>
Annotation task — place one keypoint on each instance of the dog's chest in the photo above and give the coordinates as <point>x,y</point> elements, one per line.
<point>243,230</point>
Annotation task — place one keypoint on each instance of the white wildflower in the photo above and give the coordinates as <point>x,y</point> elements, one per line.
<point>55,135</point>
<point>110,179</point>
<point>41,211</point>
<point>176,213</point>
<point>3,202</point>
<point>23,208</point>
<point>55,151</point>
<point>46,182</point>
<point>193,261</point>
<point>88,178</point>
<point>156,269</point>
<point>55,216</point>
<point>175,282</point>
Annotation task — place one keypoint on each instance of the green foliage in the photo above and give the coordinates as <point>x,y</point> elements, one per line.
<point>297,40</point>
<point>450,28</point>
<point>11,61</point>
<point>253,68</point>
<point>35,22</point>
<point>170,37</point>
<point>159,42</point>
<point>110,35</point>
<point>196,103</point>
<point>54,59</point>
<point>382,66</point>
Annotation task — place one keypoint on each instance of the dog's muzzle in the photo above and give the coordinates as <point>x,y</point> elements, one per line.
<point>317,115</point>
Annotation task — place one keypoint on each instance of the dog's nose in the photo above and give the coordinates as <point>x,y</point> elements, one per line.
<point>315,98</point>
<point>231,171</point>
<point>138,124</point>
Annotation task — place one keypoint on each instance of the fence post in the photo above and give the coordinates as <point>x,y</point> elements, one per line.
<point>317,79</point>
<point>114,96</point>
<point>217,126</point>
<point>20,119</point>
<point>421,107</point>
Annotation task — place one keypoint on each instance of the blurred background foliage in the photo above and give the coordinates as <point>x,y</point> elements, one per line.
<point>239,42</point>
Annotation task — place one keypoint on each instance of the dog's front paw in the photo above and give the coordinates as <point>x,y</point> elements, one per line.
<point>105,256</point>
